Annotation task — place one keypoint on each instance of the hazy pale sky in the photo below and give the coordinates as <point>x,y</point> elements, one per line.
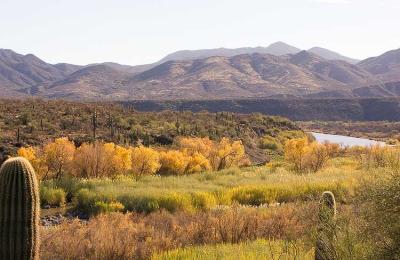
<point>138,32</point>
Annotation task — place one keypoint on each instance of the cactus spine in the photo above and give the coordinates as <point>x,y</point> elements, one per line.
<point>325,248</point>
<point>19,210</point>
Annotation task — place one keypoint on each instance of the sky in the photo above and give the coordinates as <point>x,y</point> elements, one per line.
<point>139,32</point>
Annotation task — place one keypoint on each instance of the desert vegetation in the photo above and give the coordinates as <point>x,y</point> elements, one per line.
<point>171,193</point>
<point>37,122</point>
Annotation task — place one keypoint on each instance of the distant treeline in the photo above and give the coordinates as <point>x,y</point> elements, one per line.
<point>371,109</point>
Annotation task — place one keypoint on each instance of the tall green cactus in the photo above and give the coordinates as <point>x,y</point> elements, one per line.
<point>325,247</point>
<point>19,210</point>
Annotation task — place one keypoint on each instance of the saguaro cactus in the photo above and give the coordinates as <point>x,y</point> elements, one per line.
<point>19,210</point>
<point>325,248</point>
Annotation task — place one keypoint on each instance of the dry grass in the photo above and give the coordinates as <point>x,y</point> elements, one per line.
<point>136,236</point>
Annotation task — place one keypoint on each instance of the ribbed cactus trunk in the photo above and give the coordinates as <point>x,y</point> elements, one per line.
<point>325,246</point>
<point>19,210</point>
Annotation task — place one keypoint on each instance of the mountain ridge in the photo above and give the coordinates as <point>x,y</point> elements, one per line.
<point>247,75</point>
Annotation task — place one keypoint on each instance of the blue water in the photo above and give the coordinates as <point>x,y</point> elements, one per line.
<point>344,140</point>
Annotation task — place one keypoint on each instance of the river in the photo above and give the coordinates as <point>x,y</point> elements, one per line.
<point>344,140</point>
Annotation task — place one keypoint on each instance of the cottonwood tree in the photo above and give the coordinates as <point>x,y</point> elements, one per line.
<point>144,161</point>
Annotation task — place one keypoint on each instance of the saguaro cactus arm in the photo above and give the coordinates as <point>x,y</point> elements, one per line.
<point>325,248</point>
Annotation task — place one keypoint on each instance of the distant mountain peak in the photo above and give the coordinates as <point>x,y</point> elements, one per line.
<point>281,48</point>
<point>386,65</point>
<point>304,57</point>
<point>331,55</point>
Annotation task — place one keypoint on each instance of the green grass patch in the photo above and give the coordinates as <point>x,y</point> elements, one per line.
<point>52,196</point>
<point>251,186</point>
<point>259,249</point>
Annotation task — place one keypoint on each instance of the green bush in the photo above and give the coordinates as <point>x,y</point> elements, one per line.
<point>250,196</point>
<point>266,194</point>
<point>85,200</point>
<point>380,204</point>
<point>136,203</point>
<point>69,185</point>
<point>203,200</point>
<point>271,143</point>
<point>176,202</point>
<point>52,196</point>
<point>107,207</point>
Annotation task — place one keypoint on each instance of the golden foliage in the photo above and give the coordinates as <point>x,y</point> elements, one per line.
<point>98,159</point>
<point>308,156</point>
<point>202,146</point>
<point>58,156</point>
<point>197,163</point>
<point>226,154</point>
<point>145,161</point>
<point>33,155</point>
<point>173,162</point>
<point>376,156</point>
<point>101,160</point>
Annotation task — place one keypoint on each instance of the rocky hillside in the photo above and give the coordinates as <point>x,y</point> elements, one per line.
<point>295,74</point>
<point>385,66</point>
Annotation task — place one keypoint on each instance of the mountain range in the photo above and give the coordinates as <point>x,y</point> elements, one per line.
<point>277,71</point>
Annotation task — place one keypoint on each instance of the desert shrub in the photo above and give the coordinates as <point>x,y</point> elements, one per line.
<point>266,194</point>
<point>52,196</point>
<point>271,143</point>
<point>68,184</point>
<point>379,156</point>
<point>107,207</point>
<point>203,200</point>
<point>105,236</point>
<point>286,135</point>
<point>144,204</point>
<point>171,201</point>
<point>381,210</point>
<point>273,166</point>
<point>85,200</point>
<point>175,202</point>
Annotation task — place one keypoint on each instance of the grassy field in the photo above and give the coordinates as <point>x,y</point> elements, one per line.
<point>259,249</point>
<point>230,214</point>
<point>253,186</point>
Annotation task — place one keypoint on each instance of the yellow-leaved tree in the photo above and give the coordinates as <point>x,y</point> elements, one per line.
<point>295,152</point>
<point>58,156</point>
<point>308,156</point>
<point>99,160</point>
<point>198,145</point>
<point>197,162</point>
<point>173,162</point>
<point>144,160</point>
<point>32,154</point>
<point>226,154</point>
<point>122,159</point>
